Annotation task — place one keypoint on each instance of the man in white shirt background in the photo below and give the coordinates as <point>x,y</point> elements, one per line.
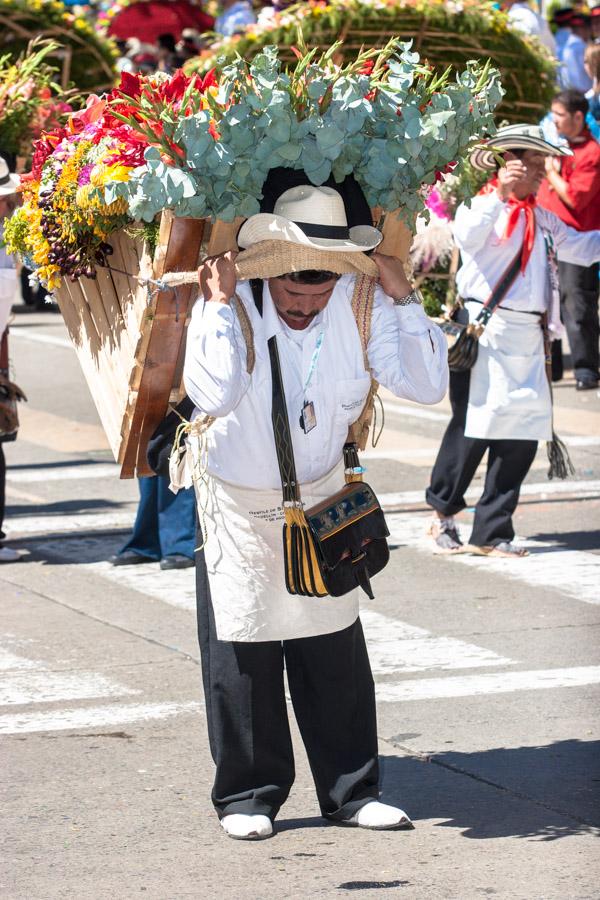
<point>523,18</point>
<point>502,405</point>
<point>8,286</point>
<point>572,73</point>
<point>248,623</point>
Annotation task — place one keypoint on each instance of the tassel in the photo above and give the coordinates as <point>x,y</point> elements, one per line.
<point>558,456</point>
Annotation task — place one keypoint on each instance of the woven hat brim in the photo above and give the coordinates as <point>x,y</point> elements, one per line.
<point>269,259</point>
<point>483,158</point>
<point>271,227</point>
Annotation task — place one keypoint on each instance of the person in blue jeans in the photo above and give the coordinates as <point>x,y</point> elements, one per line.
<point>164,527</point>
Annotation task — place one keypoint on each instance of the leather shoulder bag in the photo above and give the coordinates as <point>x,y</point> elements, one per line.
<point>462,355</point>
<point>338,544</point>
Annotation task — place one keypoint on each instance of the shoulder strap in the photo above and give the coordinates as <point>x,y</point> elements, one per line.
<point>501,289</point>
<point>362,308</point>
<point>281,429</point>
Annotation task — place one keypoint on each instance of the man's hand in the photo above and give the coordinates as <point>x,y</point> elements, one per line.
<point>392,276</point>
<point>552,164</point>
<point>508,176</point>
<point>217,277</point>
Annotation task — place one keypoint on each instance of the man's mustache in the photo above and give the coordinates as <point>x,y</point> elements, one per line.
<point>298,314</point>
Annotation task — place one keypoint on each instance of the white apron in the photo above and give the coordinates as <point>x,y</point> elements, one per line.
<point>509,395</point>
<point>244,558</point>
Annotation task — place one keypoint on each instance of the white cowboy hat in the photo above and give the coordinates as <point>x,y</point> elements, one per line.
<point>514,137</point>
<point>9,182</point>
<point>312,216</point>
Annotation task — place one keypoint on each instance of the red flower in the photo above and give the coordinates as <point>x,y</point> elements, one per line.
<point>42,150</point>
<point>209,80</point>
<point>175,87</point>
<point>130,86</point>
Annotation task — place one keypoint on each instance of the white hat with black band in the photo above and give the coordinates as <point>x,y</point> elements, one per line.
<point>312,217</point>
<point>514,137</point>
<point>9,182</point>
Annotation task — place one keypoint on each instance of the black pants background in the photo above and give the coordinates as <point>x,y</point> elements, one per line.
<point>579,308</point>
<point>333,695</point>
<point>2,490</point>
<point>458,458</point>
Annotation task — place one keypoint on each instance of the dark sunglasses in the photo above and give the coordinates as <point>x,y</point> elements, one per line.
<point>310,276</point>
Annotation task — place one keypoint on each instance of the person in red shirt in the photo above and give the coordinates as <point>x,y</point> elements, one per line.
<point>572,191</point>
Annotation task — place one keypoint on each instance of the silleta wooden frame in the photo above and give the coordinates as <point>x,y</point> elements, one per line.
<point>130,336</point>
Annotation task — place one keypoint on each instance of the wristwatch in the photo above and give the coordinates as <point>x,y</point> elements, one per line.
<point>415,296</point>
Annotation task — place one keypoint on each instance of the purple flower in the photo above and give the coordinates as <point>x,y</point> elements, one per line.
<point>84,174</point>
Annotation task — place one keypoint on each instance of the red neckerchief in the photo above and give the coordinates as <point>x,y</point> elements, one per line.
<point>514,209</point>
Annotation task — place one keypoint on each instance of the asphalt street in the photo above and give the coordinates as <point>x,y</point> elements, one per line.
<point>487,674</point>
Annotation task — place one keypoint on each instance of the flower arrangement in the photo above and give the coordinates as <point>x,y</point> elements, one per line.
<point>30,100</point>
<point>445,32</point>
<point>89,61</point>
<point>203,147</point>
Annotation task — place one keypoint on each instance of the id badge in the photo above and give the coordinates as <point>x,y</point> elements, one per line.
<point>308,419</point>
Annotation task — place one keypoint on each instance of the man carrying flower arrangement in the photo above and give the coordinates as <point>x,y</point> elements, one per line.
<point>250,625</point>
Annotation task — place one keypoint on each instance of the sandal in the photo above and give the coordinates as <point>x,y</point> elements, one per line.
<point>445,535</point>
<point>504,549</point>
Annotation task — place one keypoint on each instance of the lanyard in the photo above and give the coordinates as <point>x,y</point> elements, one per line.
<point>313,362</point>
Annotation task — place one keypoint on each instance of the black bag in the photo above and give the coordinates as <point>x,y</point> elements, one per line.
<point>338,544</point>
<point>10,395</point>
<point>462,354</point>
<point>161,443</point>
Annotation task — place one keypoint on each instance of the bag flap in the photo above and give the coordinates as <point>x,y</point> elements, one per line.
<point>344,523</point>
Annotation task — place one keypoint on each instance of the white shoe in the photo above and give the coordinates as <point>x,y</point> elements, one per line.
<point>247,828</point>
<point>380,817</point>
<point>7,554</point>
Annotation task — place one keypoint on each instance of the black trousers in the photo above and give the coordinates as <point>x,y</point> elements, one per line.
<point>458,458</point>
<point>2,490</point>
<point>333,696</point>
<point>579,308</point>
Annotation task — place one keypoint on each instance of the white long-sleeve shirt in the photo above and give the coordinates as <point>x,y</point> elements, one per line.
<point>8,285</point>
<point>406,351</point>
<point>523,18</point>
<point>485,253</point>
<point>572,72</point>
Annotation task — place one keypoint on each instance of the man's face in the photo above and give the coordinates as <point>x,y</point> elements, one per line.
<point>535,172</point>
<point>570,125</point>
<point>297,303</point>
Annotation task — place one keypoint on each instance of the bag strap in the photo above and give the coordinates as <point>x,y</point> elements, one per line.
<point>362,309</point>
<point>281,430</point>
<point>4,351</point>
<point>501,289</point>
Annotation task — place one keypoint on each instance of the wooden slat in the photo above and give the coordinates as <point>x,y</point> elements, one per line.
<point>82,332</point>
<point>179,254</point>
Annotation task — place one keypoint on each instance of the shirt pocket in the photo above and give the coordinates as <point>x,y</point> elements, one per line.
<point>349,398</point>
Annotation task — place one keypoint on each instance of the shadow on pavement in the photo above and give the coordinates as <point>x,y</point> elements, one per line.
<point>569,540</point>
<point>63,507</point>
<point>544,792</point>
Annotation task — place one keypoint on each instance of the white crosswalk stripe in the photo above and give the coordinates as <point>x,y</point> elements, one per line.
<point>396,647</point>
<point>20,686</point>
<point>572,572</point>
<point>92,717</point>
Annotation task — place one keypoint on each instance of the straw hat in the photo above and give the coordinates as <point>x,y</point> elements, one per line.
<point>514,137</point>
<point>313,217</point>
<point>269,259</point>
<point>9,182</point>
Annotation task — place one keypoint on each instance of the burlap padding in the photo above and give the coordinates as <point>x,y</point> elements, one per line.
<point>269,259</point>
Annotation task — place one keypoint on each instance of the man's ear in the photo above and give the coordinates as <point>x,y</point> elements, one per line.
<point>579,119</point>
